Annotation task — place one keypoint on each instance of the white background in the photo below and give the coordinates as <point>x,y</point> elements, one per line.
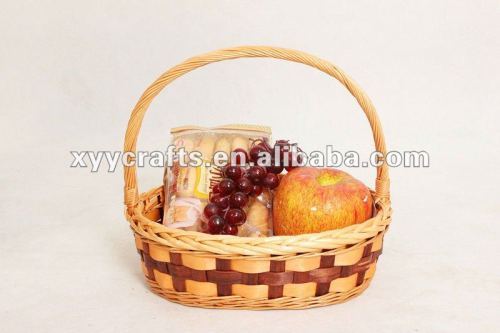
<point>71,71</point>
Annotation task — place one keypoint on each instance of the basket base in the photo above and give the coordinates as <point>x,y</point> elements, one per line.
<point>238,302</point>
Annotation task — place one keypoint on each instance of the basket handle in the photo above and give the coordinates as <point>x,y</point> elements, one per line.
<point>134,124</point>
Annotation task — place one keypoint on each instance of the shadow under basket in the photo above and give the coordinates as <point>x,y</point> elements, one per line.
<point>279,272</point>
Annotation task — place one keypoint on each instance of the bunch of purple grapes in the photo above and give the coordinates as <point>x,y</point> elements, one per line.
<point>283,149</point>
<point>228,198</point>
<point>230,195</point>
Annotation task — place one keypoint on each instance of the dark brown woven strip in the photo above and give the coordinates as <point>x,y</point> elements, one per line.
<point>178,272</point>
<point>275,281</point>
<point>179,284</point>
<point>363,265</point>
<point>323,288</point>
<point>301,277</point>
<point>224,277</point>
<point>368,250</point>
<point>175,258</point>
<point>250,279</point>
<point>200,276</point>
<point>360,278</point>
<point>222,264</point>
<point>275,278</point>
<point>145,247</point>
<point>150,265</point>
<point>162,267</point>
<point>327,261</point>
<point>346,271</point>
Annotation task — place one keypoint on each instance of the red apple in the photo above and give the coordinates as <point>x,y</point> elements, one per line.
<point>311,200</point>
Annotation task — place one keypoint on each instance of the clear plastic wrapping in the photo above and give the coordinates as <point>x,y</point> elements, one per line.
<point>188,183</point>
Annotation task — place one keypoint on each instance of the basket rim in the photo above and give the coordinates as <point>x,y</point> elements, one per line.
<point>272,245</point>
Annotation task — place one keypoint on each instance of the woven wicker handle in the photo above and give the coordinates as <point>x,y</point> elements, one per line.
<point>134,125</point>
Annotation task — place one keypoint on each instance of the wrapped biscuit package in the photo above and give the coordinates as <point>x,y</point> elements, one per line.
<point>200,157</point>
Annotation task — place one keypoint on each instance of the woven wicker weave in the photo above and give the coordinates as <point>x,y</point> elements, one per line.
<point>221,271</point>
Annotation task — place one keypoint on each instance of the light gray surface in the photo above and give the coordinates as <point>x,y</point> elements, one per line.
<point>70,72</point>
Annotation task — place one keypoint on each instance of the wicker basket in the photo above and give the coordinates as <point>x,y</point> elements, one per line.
<point>221,271</point>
